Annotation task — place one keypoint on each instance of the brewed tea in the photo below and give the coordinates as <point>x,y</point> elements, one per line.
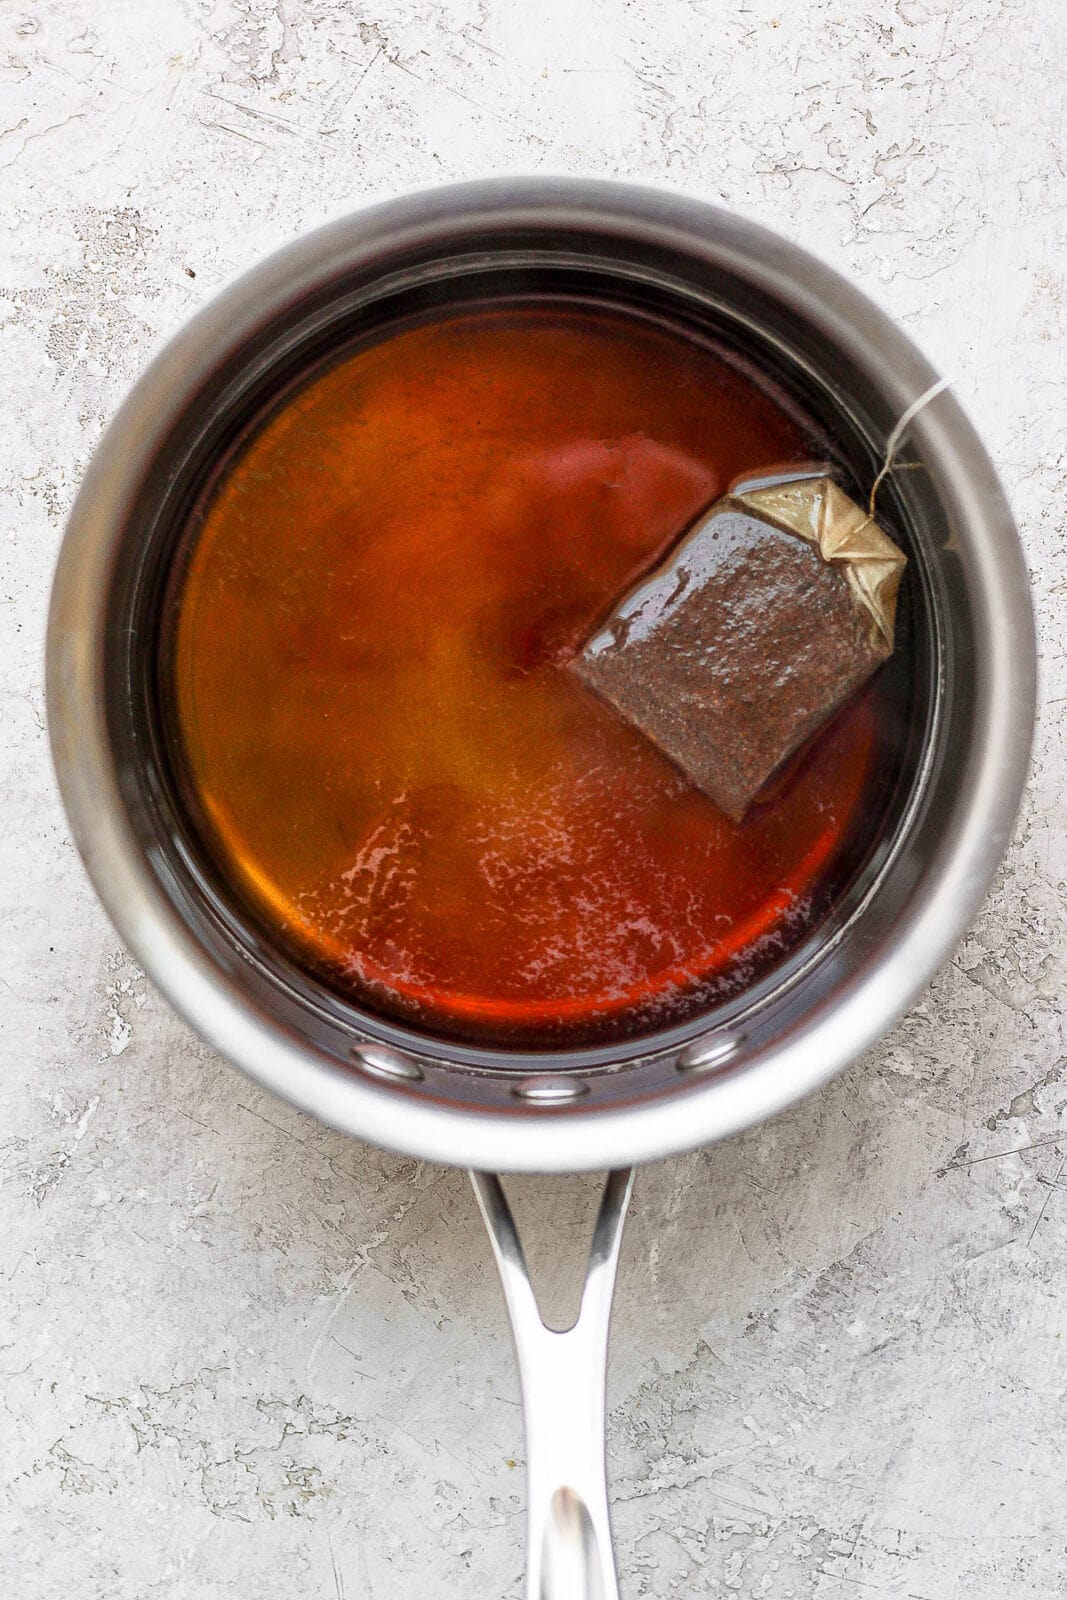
<point>387,757</point>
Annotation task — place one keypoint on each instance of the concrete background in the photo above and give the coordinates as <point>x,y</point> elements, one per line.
<point>242,1356</point>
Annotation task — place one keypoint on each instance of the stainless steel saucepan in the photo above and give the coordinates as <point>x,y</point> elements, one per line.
<point>494,1109</point>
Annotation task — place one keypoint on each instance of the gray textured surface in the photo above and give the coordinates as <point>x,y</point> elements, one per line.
<point>243,1356</point>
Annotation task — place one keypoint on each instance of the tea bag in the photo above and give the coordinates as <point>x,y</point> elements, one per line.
<point>775,608</point>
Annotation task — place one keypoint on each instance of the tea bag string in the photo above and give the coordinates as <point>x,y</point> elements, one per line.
<point>894,440</point>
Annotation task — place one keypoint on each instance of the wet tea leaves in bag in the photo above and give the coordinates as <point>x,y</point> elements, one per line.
<point>770,613</point>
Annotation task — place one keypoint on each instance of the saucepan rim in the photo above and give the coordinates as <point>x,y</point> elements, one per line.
<point>538,1133</point>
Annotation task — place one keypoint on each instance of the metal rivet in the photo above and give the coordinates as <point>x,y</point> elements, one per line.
<point>704,1054</point>
<point>380,1061</point>
<point>550,1090</point>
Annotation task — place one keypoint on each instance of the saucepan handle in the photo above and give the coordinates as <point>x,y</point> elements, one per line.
<point>563,1378</point>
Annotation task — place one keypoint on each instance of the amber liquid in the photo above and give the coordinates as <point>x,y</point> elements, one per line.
<point>391,765</point>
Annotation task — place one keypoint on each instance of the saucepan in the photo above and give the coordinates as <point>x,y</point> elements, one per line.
<point>499,1110</point>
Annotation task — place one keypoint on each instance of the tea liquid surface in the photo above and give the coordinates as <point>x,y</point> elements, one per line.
<point>390,765</point>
